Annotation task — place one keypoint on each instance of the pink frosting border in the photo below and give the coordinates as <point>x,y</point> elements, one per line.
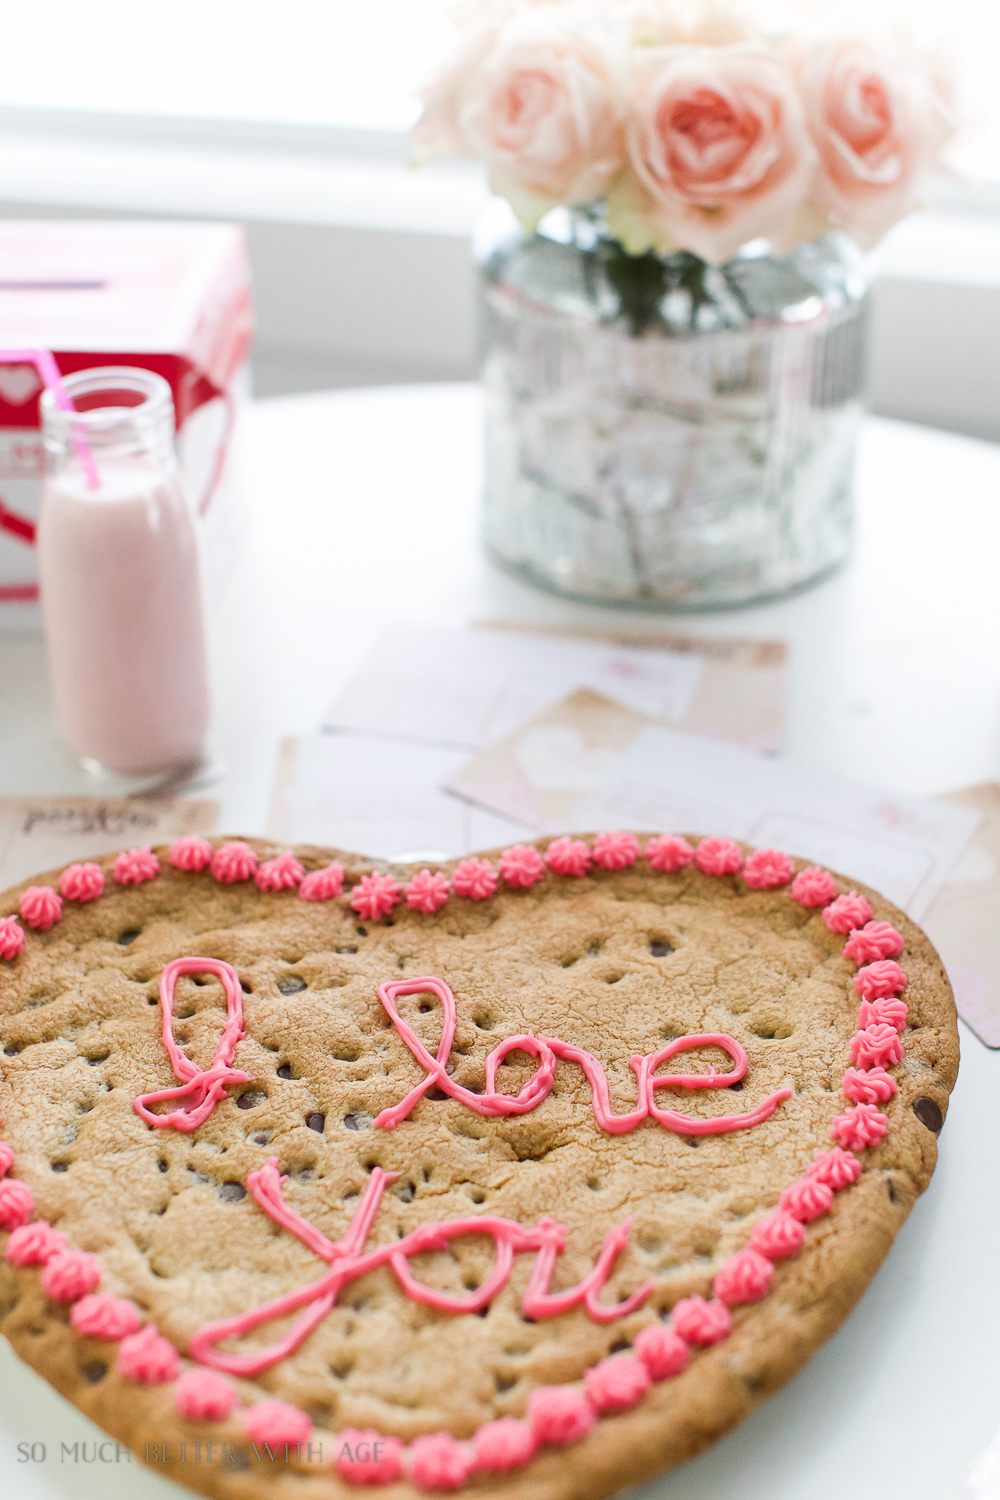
<point>557,1415</point>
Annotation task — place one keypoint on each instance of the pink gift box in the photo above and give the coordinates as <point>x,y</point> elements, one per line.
<point>170,297</point>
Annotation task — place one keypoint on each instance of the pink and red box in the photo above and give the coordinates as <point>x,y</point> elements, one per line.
<point>173,297</point>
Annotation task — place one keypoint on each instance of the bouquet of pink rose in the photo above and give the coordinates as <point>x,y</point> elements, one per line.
<point>700,124</point>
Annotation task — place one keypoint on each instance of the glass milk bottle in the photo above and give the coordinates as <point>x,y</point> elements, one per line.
<point>119,574</point>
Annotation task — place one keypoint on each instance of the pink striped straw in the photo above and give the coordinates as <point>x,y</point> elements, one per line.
<point>49,371</point>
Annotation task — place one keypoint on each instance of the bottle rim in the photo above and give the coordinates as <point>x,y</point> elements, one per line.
<point>148,400</point>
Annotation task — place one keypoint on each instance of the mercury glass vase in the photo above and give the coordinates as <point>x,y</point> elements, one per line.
<point>661,433</point>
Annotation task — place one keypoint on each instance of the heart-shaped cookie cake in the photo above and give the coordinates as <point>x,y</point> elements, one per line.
<point>528,1174</point>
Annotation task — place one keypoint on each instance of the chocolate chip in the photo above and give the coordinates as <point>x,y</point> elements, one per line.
<point>405,1192</point>
<point>124,938</point>
<point>928,1113</point>
<point>291,984</point>
<point>361,931</point>
<point>261,1139</point>
<point>737,1086</point>
<point>285,1071</point>
<point>250,1099</point>
<point>246,988</point>
<point>351,1121</point>
<point>231,1192</point>
<point>660,950</point>
<point>316,1122</point>
<point>347,950</point>
<point>11,1050</point>
<point>60,1166</point>
<point>161,1165</point>
<point>94,1372</point>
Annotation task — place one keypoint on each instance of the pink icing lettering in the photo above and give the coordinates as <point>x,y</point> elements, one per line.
<point>521,865</point>
<point>873,941</point>
<point>885,1012</point>
<point>190,853</point>
<point>560,1414</point>
<point>148,1358</point>
<point>669,852</point>
<point>6,1158</point>
<point>744,1277</point>
<point>715,856</point>
<point>615,850</point>
<point>235,861</point>
<point>474,878</point>
<point>40,907</point>
<point>204,1396</point>
<point>538,1302</point>
<point>276,1423</point>
<point>375,896</point>
<point>873,1086</point>
<point>847,912</point>
<point>777,1235</point>
<point>813,887</point>
<point>16,1203</point>
<point>806,1199</point>
<point>662,1350</point>
<point>323,885</point>
<point>837,1168</point>
<point>616,1383</point>
<point>879,981</point>
<point>82,882</point>
<point>283,873</point>
<point>34,1244</point>
<point>198,1090</point>
<point>366,1457</point>
<point>102,1316</point>
<point>11,937</point>
<point>427,892</point>
<point>859,1127</point>
<point>437,1461</point>
<point>876,1046</point>
<point>70,1274</point>
<point>133,866</point>
<point>766,868</point>
<point>504,1444</point>
<point>567,856</point>
<point>701,1322</point>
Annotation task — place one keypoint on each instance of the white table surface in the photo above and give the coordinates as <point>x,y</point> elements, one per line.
<point>362,512</point>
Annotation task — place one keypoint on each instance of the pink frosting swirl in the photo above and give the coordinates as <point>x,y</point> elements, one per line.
<point>715,856</point>
<point>766,868</point>
<point>885,1012</point>
<point>427,892</point>
<point>6,1158</point>
<point>876,1046</point>
<point>662,1350</point>
<point>233,862</point>
<point>744,1277</point>
<point>521,865</point>
<point>40,907</point>
<point>102,1316</point>
<point>16,1203</point>
<point>813,886</point>
<point>669,852</point>
<point>880,980</point>
<point>439,1462</point>
<point>375,896</point>
<point>34,1244</point>
<point>859,1127</point>
<point>190,853</point>
<point>366,1457</point>
<point>847,912</point>
<point>873,940</point>
<point>504,1444</point>
<point>568,856</point>
<point>474,878</point>
<point>615,850</point>
<point>806,1199</point>
<point>701,1322</point>
<point>82,882</point>
<point>874,1086</point>
<point>11,937</point>
<point>70,1274</point>
<point>837,1168</point>
<point>560,1414</point>
<point>276,1422</point>
<point>616,1383</point>
<point>134,866</point>
<point>322,885</point>
<point>205,1396</point>
<point>777,1235</point>
<point>148,1358</point>
<point>282,873</point>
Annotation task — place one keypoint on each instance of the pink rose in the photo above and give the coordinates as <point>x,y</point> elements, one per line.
<point>538,99</point>
<point>876,124</point>
<point>718,141</point>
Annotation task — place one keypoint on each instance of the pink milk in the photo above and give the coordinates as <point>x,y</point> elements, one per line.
<point>119,576</point>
